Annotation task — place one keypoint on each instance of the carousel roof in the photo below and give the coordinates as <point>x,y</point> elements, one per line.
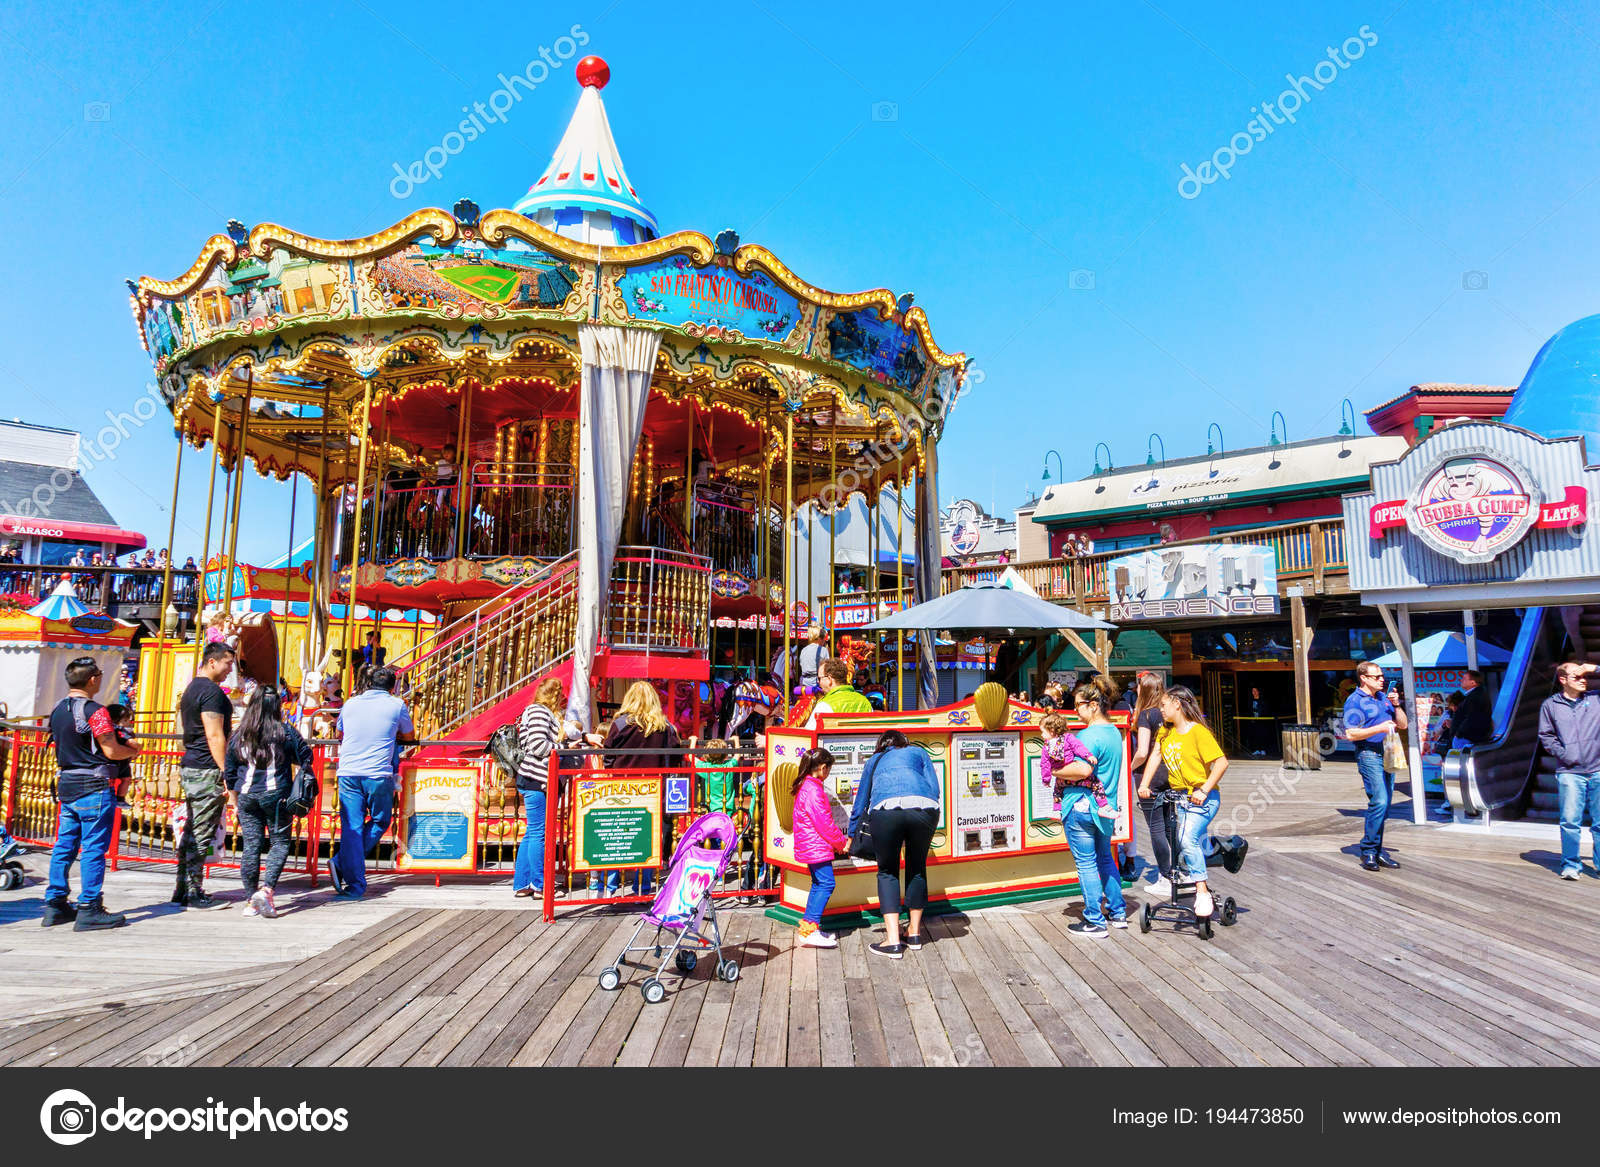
<point>586,175</point>
<point>61,604</point>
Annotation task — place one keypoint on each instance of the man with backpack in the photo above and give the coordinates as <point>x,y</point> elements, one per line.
<point>86,750</point>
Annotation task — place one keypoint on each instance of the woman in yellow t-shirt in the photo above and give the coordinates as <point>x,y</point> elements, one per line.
<point>1195,764</point>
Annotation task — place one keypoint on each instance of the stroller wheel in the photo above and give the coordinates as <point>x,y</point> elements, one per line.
<point>1230,912</point>
<point>728,970</point>
<point>654,991</point>
<point>1145,916</point>
<point>685,961</point>
<point>610,978</point>
<point>1203,926</point>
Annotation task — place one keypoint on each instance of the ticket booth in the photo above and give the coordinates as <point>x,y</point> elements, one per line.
<point>999,838</point>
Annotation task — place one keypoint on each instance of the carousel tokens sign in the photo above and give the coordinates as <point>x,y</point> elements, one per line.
<point>1473,505</point>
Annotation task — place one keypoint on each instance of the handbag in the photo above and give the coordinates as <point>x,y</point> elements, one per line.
<point>861,845</point>
<point>302,794</point>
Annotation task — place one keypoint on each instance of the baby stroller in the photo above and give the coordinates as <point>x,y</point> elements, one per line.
<point>1226,853</point>
<point>11,853</point>
<point>683,906</point>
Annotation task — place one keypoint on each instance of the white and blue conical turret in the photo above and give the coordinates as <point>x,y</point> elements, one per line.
<point>584,193</point>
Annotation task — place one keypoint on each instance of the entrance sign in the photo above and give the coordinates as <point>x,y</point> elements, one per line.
<point>1207,579</point>
<point>439,818</point>
<point>616,822</point>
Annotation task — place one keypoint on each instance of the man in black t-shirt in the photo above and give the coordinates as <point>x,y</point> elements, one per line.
<point>205,716</point>
<point>86,746</point>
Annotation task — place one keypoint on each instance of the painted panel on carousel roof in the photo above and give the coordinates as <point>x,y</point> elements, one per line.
<point>712,301</point>
<point>472,278</point>
<point>886,350</point>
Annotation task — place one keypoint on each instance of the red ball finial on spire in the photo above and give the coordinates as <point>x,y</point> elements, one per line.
<point>593,72</point>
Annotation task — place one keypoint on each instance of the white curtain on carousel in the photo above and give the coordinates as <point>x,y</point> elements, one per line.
<point>927,568</point>
<point>617,363</point>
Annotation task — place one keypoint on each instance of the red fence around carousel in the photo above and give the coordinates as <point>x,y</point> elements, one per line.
<point>143,832</point>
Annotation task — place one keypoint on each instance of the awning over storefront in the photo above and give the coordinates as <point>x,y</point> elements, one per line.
<point>81,532</point>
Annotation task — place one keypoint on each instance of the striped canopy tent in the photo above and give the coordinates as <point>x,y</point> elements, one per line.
<point>61,604</point>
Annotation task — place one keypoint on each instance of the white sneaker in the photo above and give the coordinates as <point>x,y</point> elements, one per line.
<point>269,909</point>
<point>1204,905</point>
<point>819,939</point>
<point>1160,888</point>
<point>253,906</point>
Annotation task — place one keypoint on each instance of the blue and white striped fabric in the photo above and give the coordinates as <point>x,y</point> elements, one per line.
<point>60,604</point>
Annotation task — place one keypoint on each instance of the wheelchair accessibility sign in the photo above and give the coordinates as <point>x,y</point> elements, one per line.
<point>677,794</point>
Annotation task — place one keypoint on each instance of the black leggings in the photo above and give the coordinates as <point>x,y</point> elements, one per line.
<point>1160,816</point>
<point>263,814</point>
<point>892,830</point>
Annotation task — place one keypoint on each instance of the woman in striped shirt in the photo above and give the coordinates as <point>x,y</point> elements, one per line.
<point>538,733</point>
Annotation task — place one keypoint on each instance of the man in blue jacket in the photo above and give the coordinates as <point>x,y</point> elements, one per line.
<point>1569,731</point>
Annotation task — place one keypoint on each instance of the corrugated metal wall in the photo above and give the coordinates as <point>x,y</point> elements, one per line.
<point>1400,560</point>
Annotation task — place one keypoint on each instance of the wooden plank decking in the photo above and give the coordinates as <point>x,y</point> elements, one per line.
<point>1473,954</point>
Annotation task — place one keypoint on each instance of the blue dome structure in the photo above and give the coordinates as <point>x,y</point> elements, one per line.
<point>1560,395</point>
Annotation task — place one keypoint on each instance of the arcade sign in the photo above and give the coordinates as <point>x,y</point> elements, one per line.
<point>1473,505</point>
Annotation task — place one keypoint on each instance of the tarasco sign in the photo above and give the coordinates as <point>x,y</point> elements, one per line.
<point>1473,504</point>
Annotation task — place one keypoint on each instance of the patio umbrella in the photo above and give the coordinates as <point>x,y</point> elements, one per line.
<point>61,604</point>
<point>1444,650</point>
<point>990,607</point>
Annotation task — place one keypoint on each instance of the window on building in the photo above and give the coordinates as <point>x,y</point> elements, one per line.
<point>59,552</point>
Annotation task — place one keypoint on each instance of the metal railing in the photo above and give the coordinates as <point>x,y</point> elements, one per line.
<point>477,660</point>
<point>660,601</point>
<point>110,589</point>
<point>1309,549</point>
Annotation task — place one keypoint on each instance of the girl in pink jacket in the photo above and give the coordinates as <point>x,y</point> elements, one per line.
<point>816,838</point>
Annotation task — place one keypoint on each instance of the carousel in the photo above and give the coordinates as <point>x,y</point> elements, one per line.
<point>576,439</point>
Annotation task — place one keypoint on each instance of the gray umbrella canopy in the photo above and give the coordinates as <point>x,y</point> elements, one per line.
<point>988,607</point>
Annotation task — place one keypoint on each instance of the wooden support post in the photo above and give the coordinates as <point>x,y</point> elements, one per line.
<point>1318,559</point>
<point>1301,636</point>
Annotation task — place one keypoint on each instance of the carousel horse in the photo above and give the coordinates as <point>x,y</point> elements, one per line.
<point>316,686</point>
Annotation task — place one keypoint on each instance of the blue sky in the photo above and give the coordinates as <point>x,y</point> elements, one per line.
<point>1429,214</point>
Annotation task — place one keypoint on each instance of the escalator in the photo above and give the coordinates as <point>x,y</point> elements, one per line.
<point>1510,776</point>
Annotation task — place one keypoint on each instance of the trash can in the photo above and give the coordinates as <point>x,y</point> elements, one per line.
<point>1300,747</point>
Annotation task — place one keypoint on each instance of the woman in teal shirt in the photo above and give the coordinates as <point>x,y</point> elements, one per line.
<point>1089,832</point>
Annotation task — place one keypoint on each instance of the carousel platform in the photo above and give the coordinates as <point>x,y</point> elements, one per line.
<point>1457,959</point>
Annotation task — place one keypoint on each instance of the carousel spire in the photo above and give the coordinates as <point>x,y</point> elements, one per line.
<point>584,193</point>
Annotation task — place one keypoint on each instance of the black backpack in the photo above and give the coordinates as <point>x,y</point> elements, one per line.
<point>506,749</point>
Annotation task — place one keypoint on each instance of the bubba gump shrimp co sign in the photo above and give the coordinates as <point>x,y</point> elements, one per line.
<point>1474,504</point>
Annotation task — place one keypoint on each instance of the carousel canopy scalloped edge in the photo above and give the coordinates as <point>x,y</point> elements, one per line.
<point>485,275</point>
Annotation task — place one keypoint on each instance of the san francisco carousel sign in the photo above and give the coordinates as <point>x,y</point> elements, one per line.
<point>1475,504</point>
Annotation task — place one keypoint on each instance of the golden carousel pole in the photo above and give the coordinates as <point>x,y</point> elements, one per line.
<point>463,471</point>
<point>764,570</point>
<point>811,526</point>
<point>238,485</point>
<point>833,515</point>
<point>205,539</point>
<point>172,534</point>
<point>321,533</point>
<point>355,542</point>
<point>788,556</point>
<point>900,577</point>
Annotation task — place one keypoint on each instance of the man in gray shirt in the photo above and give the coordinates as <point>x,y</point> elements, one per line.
<point>1569,731</point>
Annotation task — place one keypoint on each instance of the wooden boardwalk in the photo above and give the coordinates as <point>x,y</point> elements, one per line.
<point>1473,954</point>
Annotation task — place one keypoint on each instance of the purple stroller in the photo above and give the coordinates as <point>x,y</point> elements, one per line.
<point>683,906</point>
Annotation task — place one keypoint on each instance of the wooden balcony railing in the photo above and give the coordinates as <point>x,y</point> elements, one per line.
<point>127,592</point>
<point>1309,550</point>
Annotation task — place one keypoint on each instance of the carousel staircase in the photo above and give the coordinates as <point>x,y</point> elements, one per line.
<point>458,680</point>
<point>479,671</point>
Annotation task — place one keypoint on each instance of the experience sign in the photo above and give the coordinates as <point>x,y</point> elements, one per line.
<point>1473,505</point>
<point>617,822</point>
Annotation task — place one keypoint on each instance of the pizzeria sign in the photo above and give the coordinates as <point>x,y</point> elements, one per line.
<point>1473,505</point>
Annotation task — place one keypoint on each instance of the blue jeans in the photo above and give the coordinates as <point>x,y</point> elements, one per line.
<point>822,885</point>
<point>529,870</point>
<point>1091,851</point>
<point>1380,790</point>
<point>613,882</point>
<point>86,828</point>
<point>1579,793</point>
<point>365,807</point>
<point>1194,824</point>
